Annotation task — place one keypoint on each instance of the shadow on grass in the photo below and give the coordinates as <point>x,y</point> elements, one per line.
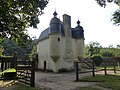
<point>87,88</point>
<point>107,81</point>
<point>19,86</point>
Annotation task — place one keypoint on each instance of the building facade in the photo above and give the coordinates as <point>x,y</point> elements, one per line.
<point>60,45</point>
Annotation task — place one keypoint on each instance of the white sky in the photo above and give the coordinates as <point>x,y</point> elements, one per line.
<point>94,19</point>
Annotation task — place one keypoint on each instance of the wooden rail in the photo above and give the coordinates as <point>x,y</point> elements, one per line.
<point>7,62</point>
<point>93,69</point>
<point>25,70</point>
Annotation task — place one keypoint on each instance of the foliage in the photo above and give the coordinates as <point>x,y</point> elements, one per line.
<point>103,3</point>
<point>97,59</point>
<point>33,52</point>
<point>17,15</point>
<point>22,40</point>
<point>93,48</point>
<point>110,52</point>
<point>1,50</point>
<point>10,47</point>
<point>107,52</point>
<point>116,15</point>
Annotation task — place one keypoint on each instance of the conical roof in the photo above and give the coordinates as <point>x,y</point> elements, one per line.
<point>54,20</point>
<point>79,27</point>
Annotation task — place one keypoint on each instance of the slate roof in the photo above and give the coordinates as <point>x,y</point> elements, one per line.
<point>56,26</point>
<point>44,34</point>
<point>76,33</point>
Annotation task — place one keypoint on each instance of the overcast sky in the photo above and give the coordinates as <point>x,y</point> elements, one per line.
<point>95,20</point>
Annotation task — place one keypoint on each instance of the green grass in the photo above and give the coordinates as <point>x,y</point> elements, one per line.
<point>10,70</point>
<point>18,86</point>
<point>108,67</point>
<point>88,88</point>
<point>25,88</point>
<point>107,81</point>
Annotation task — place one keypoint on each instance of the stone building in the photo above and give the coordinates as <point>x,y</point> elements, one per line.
<point>60,45</point>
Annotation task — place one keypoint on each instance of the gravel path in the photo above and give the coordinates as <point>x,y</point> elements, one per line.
<point>63,81</point>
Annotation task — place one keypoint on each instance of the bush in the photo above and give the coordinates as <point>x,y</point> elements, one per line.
<point>107,54</point>
<point>97,59</point>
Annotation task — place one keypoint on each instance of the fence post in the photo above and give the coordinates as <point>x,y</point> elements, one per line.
<point>114,66</point>
<point>105,68</point>
<point>33,73</point>
<point>93,69</point>
<point>14,61</point>
<point>76,71</point>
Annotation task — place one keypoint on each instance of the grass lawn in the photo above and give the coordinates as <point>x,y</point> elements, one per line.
<point>88,88</point>
<point>25,88</point>
<point>10,70</point>
<point>108,67</point>
<point>18,86</point>
<point>107,81</point>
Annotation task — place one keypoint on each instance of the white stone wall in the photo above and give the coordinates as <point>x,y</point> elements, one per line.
<point>74,45</point>
<point>80,48</point>
<point>44,54</point>
<point>63,63</point>
<point>54,44</point>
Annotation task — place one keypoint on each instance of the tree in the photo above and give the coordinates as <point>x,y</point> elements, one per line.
<point>118,46</point>
<point>10,47</point>
<point>17,15</point>
<point>1,50</point>
<point>93,48</point>
<point>111,46</point>
<point>116,15</point>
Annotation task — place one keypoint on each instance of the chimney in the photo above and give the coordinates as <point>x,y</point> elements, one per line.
<point>67,25</point>
<point>68,40</point>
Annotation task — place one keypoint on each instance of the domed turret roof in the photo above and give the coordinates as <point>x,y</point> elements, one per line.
<point>78,31</point>
<point>55,19</point>
<point>79,27</point>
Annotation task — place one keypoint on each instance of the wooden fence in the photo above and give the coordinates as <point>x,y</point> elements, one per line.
<point>7,62</point>
<point>93,69</point>
<point>25,70</point>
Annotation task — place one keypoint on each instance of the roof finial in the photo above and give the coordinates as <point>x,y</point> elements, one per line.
<point>78,22</point>
<point>55,13</point>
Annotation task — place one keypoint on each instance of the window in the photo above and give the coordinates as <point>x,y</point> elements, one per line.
<point>58,39</point>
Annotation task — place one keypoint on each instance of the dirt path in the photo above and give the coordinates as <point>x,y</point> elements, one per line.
<point>64,81</point>
<point>61,81</point>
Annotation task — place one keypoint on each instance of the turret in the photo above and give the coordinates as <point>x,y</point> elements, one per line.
<point>55,24</point>
<point>80,41</point>
<point>54,35</point>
